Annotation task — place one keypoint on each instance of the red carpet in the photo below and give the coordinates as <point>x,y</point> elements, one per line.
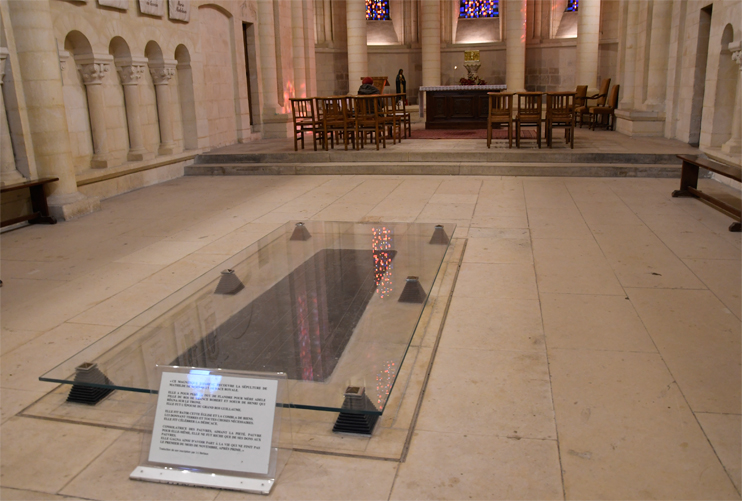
<point>468,134</point>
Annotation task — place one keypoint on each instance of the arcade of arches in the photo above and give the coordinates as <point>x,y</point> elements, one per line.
<point>95,88</point>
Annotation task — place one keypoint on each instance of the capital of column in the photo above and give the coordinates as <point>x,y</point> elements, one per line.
<point>131,70</point>
<point>94,67</point>
<point>64,56</point>
<point>3,56</point>
<point>162,72</point>
<point>736,48</point>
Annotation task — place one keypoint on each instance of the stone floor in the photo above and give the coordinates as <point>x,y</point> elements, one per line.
<point>591,350</point>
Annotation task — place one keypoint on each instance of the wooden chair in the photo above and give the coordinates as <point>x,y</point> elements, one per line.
<point>580,100</point>
<point>305,120</point>
<point>335,123</point>
<point>389,116</point>
<point>607,111</point>
<point>600,97</point>
<point>560,111</point>
<point>500,112</point>
<point>529,113</point>
<point>403,115</point>
<point>368,120</point>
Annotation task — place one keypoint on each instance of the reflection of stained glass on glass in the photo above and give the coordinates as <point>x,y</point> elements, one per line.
<point>571,6</point>
<point>377,10</point>
<point>479,8</point>
<point>323,310</point>
<point>325,297</point>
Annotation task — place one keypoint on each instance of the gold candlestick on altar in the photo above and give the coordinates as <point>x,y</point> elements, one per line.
<point>472,64</point>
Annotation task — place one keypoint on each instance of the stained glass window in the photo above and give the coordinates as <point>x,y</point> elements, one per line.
<point>571,6</point>
<point>479,8</point>
<point>377,10</point>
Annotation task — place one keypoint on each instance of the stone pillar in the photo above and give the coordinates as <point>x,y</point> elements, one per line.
<point>588,38</point>
<point>131,71</point>
<point>268,66</point>
<point>327,12</point>
<point>161,75</point>
<point>93,69</point>
<point>309,52</point>
<point>515,45</point>
<point>734,145</point>
<point>8,172</point>
<point>357,48</point>
<point>38,64</point>
<point>297,45</point>
<point>629,61</point>
<point>430,39</point>
<point>659,53</point>
<point>275,122</point>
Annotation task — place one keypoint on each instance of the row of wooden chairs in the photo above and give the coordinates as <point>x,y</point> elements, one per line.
<point>350,119</point>
<point>563,109</point>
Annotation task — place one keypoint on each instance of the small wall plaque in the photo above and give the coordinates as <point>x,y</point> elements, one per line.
<point>116,4</point>
<point>180,10</point>
<point>152,7</point>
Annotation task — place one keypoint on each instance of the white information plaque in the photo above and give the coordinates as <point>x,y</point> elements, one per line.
<point>211,424</point>
<point>180,10</point>
<point>152,7</point>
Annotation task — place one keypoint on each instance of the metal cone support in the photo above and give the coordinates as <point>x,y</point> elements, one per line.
<point>300,232</point>
<point>439,236</point>
<point>229,283</point>
<point>413,291</point>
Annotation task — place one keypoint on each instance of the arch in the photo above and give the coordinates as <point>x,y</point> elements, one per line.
<point>153,52</point>
<point>77,44</point>
<point>727,37</point>
<point>118,48</point>
<point>218,7</point>
<point>726,89</point>
<point>182,55</point>
<point>186,98</point>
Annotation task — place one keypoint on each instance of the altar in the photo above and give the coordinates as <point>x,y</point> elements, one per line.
<point>456,106</point>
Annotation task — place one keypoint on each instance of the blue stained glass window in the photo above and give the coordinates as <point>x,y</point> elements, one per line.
<point>377,10</point>
<point>479,8</point>
<point>571,6</point>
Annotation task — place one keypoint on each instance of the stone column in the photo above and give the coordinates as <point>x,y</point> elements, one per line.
<point>734,145</point>
<point>8,172</point>
<point>357,48</point>
<point>309,52</point>
<point>268,66</point>
<point>659,53</point>
<point>430,39</point>
<point>93,69</point>
<point>275,122</point>
<point>629,72</point>
<point>297,45</point>
<point>161,75</point>
<point>131,71</point>
<point>327,12</point>
<point>38,64</point>
<point>588,38</point>
<point>515,45</point>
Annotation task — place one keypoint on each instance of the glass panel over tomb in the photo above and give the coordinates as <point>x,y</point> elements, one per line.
<point>331,304</point>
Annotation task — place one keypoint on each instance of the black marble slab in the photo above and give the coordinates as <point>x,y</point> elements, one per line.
<point>302,324</point>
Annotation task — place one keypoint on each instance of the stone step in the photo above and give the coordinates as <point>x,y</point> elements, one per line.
<point>466,168</point>
<point>386,156</point>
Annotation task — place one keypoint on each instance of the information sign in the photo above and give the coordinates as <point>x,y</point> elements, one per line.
<point>212,421</point>
<point>214,428</point>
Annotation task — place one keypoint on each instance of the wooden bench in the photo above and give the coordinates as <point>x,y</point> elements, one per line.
<point>689,183</point>
<point>39,207</point>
